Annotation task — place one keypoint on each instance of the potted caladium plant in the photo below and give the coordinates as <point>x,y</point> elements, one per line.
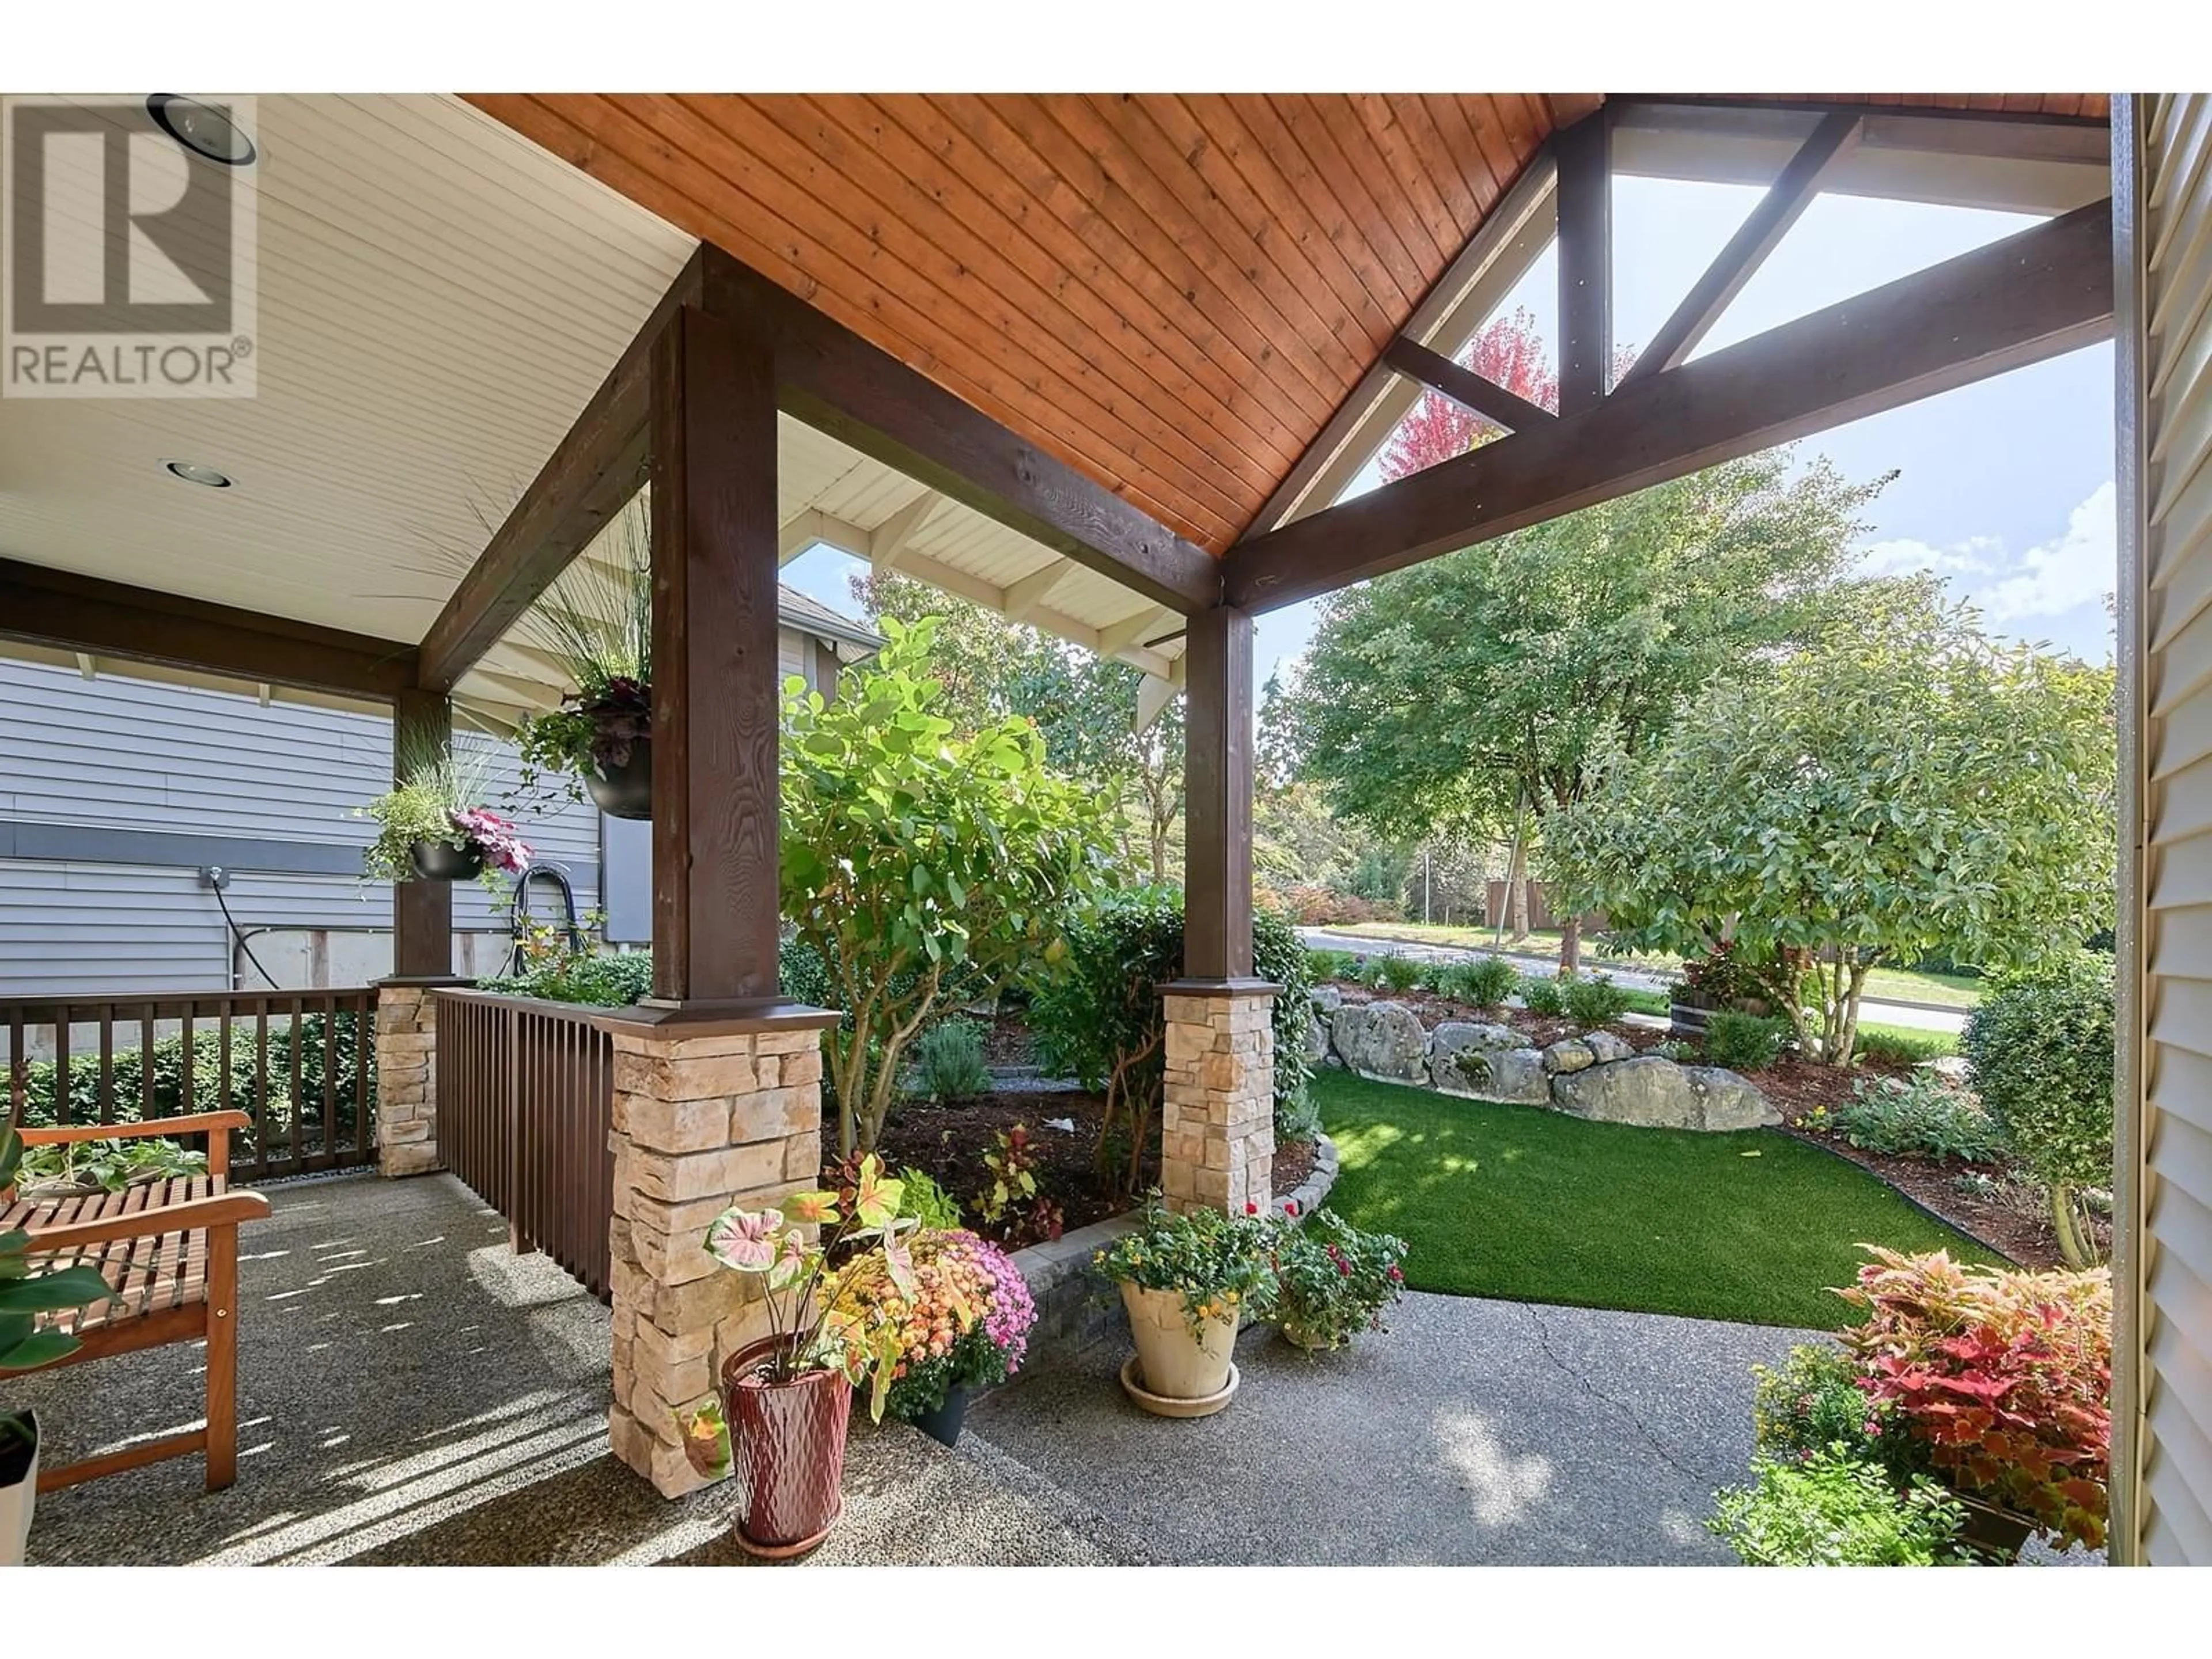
<point>597,622</point>
<point>786,1398</point>
<point>24,1345</point>
<point>433,826</point>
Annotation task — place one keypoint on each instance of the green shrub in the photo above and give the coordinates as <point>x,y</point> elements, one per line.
<point>1834,1510</point>
<point>1743,1042</point>
<point>1899,1046</point>
<point>1919,1116</point>
<point>2039,1052</point>
<point>598,979</point>
<point>1324,966</point>
<point>1540,996</point>
<point>1297,1120</point>
<point>948,1061</point>
<point>1097,1015</point>
<point>1595,1000</point>
<point>1395,972</point>
<point>1484,982</point>
<point>1813,1400</point>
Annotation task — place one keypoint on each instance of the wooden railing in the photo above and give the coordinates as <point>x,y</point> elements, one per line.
<point>526,1105</point>
<point>302,1065</point>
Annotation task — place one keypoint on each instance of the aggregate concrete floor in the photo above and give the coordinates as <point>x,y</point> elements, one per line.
<point>411,1392</point>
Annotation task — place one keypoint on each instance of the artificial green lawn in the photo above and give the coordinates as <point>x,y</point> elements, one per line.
<point>1534,1205</point>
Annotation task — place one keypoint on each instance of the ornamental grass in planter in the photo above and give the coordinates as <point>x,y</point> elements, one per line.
<point>1333,1281</point>
<point>1185,1279</point>
<point>596,622</point>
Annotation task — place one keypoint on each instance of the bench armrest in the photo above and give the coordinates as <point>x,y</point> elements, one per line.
<point>216,1125</point>
<point>224,1209</point>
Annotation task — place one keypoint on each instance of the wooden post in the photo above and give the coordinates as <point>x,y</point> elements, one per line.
<point>421,911</point>
<point>1217,938</point>
<point>714,702</point>
<point>1585,263</point>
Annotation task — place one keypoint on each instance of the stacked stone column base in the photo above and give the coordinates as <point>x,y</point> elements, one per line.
<point>1218,1114</point>
<point>700,1122</point>
<point>406,1079</point>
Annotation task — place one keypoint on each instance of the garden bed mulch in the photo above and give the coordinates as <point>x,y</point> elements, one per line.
<point>947,1142</point>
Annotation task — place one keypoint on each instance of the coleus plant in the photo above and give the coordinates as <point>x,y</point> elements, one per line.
<point>2005,1378</point>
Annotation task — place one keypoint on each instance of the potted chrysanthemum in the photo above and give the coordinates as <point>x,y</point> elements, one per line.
<point>1186,1280</point>
<point>964,1327</point>
<point>433,825</point>
<point>1333,1281</point>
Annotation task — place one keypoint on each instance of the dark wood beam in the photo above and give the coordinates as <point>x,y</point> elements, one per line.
<point>714,674</point>
<point>70,613</point>
<point>1464,386</point>
<point>421,911</point>
<point>1217,927</point>
<point>2044,291</point>
<point>1585,152</point>
<point>1785,200</point>
<point>831,379</point>
<point>599,465</point>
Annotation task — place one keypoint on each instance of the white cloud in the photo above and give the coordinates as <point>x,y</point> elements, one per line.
<point>1904,556</point>
<point>2073,570</point>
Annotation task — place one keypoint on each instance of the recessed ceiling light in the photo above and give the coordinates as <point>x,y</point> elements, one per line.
<point>193,472</point>
<point>202,129</point>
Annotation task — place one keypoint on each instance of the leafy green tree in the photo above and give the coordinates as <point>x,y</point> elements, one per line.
<point>1451,697</point>
<point>926,867</point>
<point>1904,787</point>
<point>1084,705</point>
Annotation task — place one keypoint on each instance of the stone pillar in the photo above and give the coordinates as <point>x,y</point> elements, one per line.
<point>407,1076</point>
<point>1218,1114</point>
<point>707,1113</point>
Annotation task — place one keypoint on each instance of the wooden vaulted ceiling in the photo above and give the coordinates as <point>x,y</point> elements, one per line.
<point>1171,293</point>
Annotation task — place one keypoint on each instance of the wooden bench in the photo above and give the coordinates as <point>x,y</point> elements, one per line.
<point>170,1250</point>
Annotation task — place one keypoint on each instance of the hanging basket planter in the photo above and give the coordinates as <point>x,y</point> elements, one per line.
<point>624,791</point>
<point>440,861</point>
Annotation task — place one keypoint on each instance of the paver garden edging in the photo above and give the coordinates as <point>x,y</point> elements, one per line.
<point>1077,1304</point>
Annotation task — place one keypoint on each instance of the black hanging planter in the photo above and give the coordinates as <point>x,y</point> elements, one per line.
<point>440,861</point>
<point>943,1424</point>
<point>624,791</point>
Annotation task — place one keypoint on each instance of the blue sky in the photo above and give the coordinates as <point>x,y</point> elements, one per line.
<point>2005,488</point>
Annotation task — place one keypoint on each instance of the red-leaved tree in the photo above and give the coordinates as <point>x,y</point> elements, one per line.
<point>1509,352</point>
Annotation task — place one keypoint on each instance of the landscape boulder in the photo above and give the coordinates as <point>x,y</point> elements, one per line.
<point>1316,1040</point>
<point>1515,1075</point>
<point>1727,1100</point>
<point>1569,1055</point>
<point>1455,1036</point>
<point>1604,1048</point>
<point>1327,999</point>
<point>1381,1041</point>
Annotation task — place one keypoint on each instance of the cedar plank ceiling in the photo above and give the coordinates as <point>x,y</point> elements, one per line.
<point>1171,293</point>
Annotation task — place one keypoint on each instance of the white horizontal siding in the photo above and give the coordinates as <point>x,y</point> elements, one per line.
<point>2165,252</point>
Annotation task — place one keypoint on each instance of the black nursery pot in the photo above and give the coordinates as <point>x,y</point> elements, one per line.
<point>944,1425</point>
<point>624,791</point>
<point>439,860</point>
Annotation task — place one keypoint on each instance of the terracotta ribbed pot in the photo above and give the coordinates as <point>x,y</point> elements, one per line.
<point>788,1451</point>
<point>1173,1362</point>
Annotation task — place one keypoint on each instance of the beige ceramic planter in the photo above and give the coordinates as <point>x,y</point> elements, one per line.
<point>1172,1364</point>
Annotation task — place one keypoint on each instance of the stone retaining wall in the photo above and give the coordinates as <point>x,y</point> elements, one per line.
<point>1592,1074</point>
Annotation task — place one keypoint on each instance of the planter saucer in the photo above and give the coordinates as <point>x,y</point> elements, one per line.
<point>1162,1404</point>
<point>785,1552</point>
